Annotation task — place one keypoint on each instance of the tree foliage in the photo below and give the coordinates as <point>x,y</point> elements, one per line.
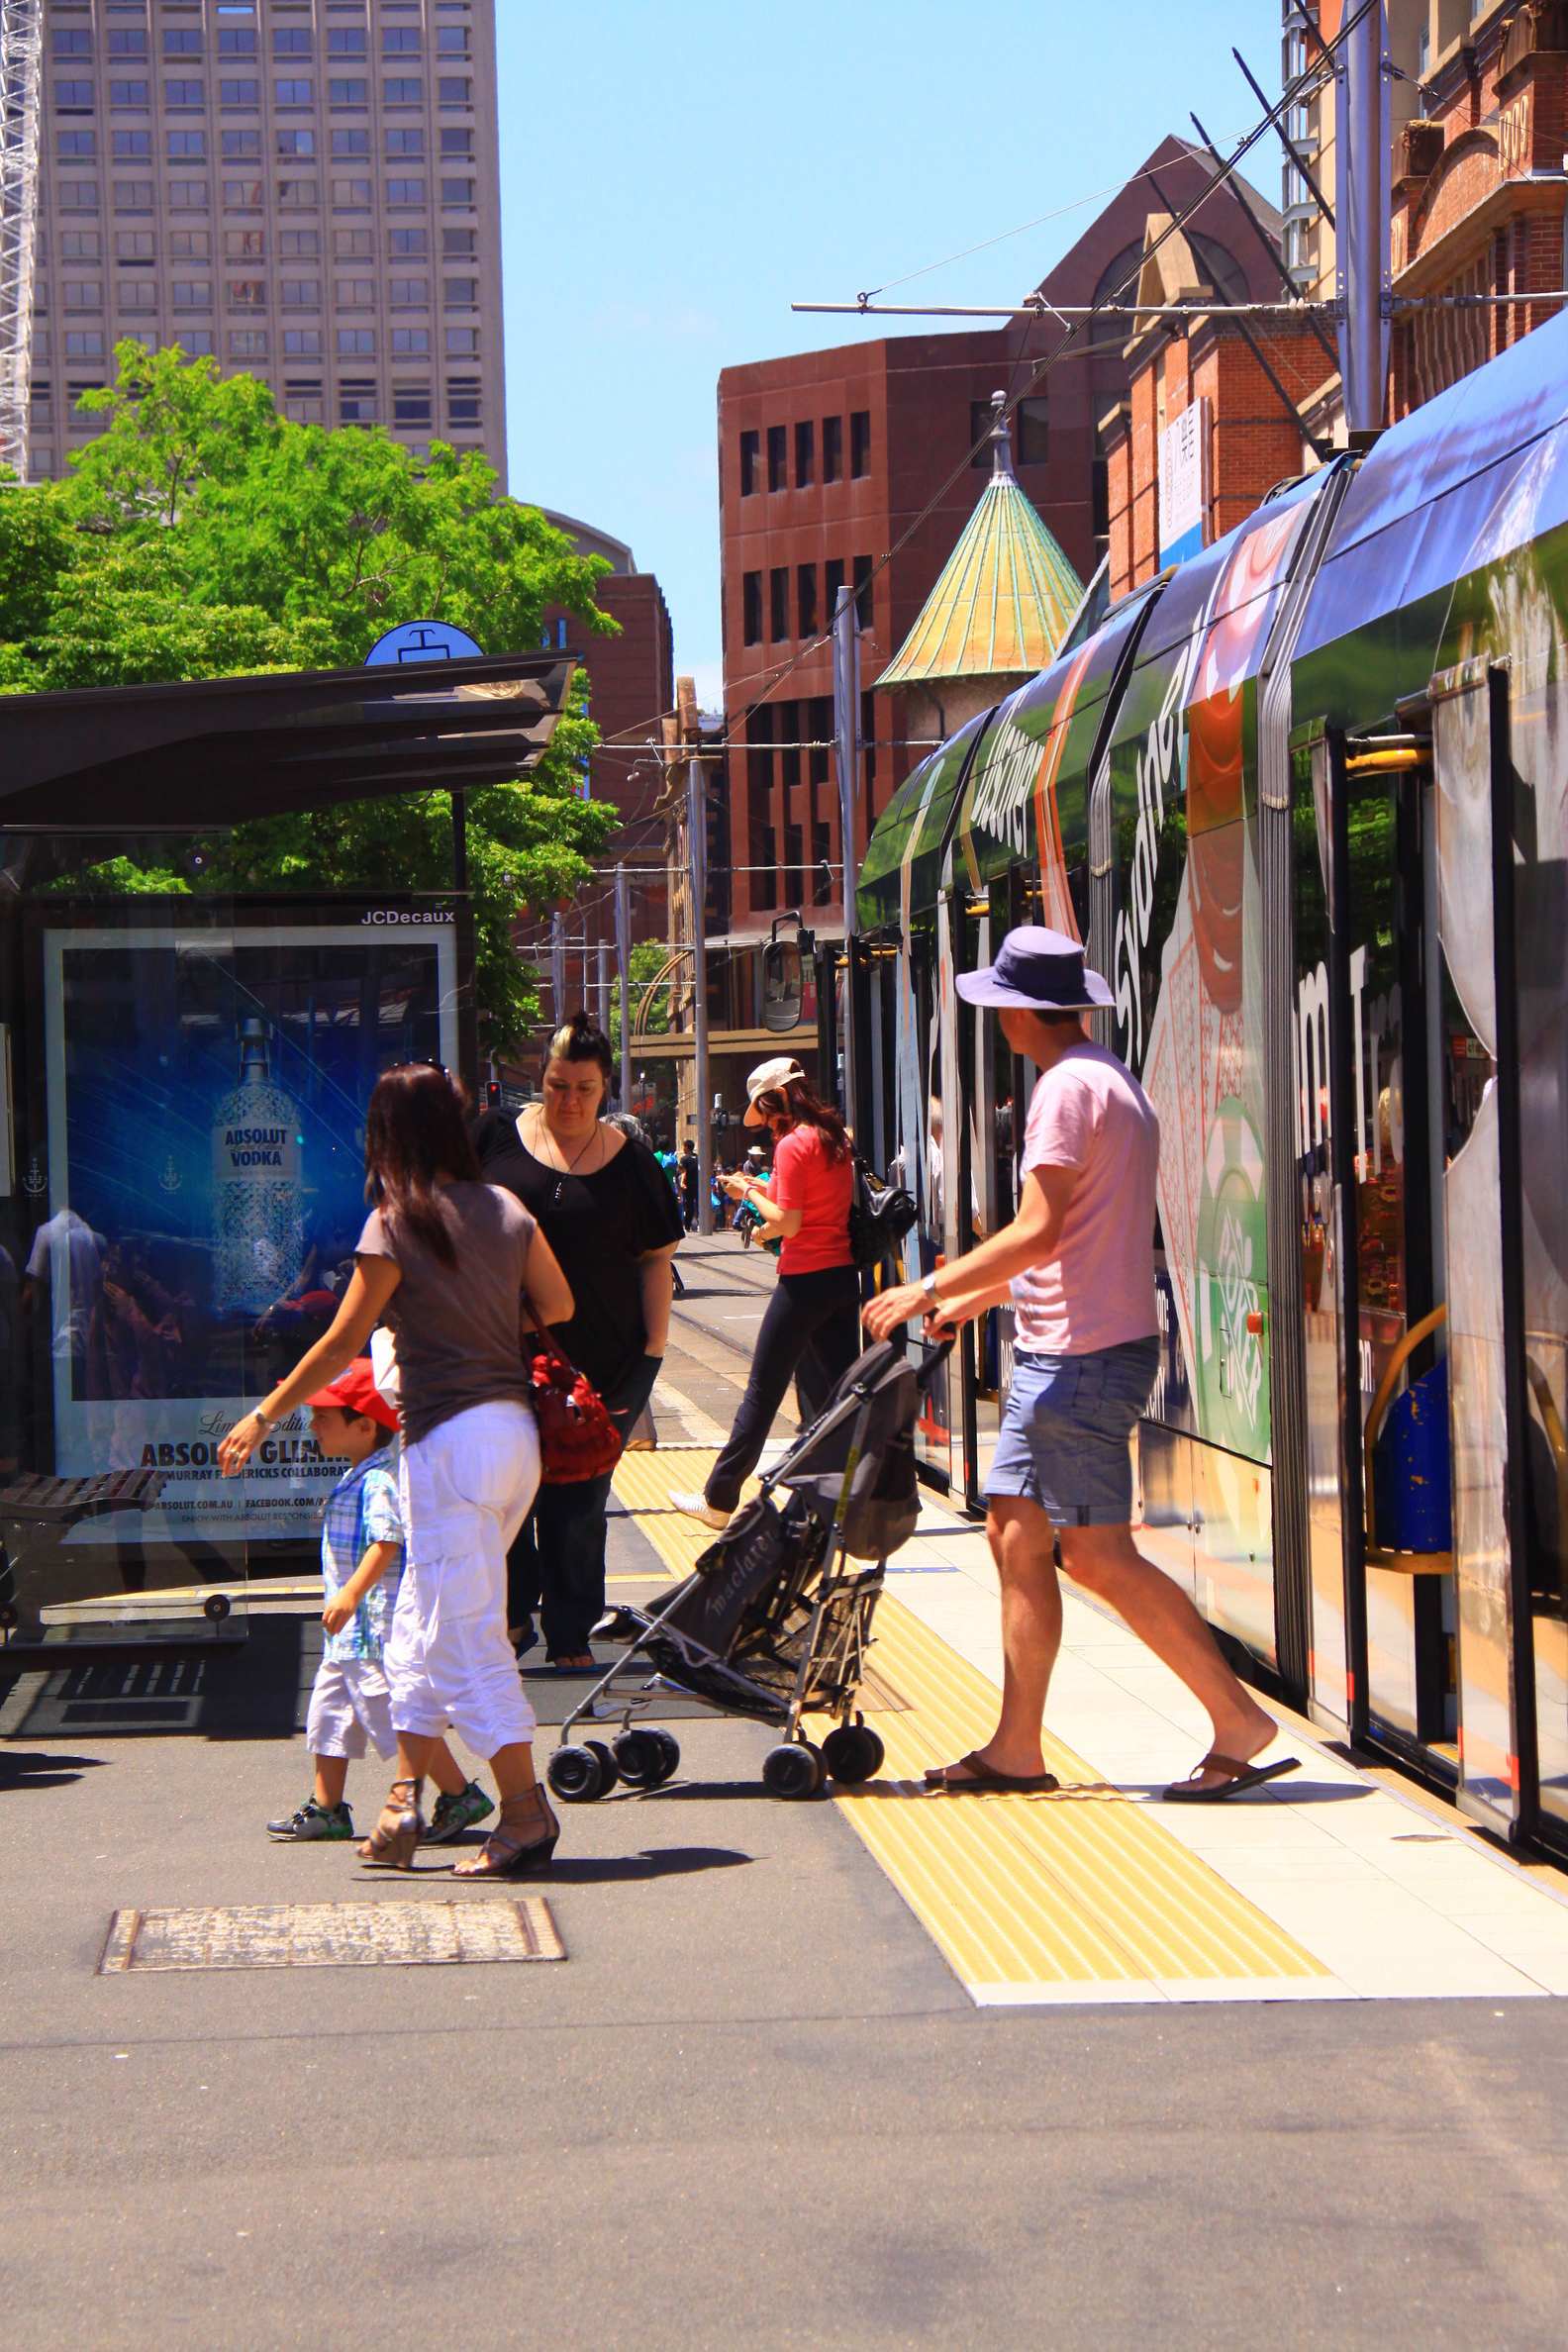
<point>200,535</point>
<point>646,961</point>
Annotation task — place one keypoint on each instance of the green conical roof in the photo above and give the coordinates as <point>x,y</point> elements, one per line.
<point>1006,594</point>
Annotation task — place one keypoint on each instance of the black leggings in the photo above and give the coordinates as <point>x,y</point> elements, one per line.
<point>812,1328</point>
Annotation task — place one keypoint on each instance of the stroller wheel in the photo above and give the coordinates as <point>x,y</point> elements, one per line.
<point>794,1770</point>
<point>609,1771</point>
<point>638,1756</point>
<point>575,1775</point>
<point>852,1754</point>
<point>669,1756</point>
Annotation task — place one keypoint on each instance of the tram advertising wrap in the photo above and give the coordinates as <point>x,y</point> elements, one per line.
<point>205,1186</point>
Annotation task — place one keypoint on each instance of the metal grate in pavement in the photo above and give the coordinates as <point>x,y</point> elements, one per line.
<point>395,1934</point>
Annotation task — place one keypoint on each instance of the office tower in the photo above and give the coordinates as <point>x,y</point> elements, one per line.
<point>306,189</point>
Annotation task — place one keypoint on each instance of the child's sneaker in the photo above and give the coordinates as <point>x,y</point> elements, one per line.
<point>314,1821</point>
<point>454,1814</point>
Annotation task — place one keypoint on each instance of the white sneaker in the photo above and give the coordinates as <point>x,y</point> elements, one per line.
<point>698,1506</point>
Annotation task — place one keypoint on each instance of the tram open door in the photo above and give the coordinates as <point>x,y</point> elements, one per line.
<point>1431,1084</point>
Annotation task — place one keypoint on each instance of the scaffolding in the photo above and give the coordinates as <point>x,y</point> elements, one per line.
<point>20,74</point>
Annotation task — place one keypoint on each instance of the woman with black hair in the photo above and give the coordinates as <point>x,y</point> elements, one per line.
<point>446,1260</point>
<point>605,1206</point>
<point>812,1328</point>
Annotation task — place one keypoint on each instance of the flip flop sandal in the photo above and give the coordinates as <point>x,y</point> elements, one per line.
<point>1241,1776</point>
<point>980,1776</point>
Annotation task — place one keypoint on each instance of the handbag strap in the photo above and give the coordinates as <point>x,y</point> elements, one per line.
<point>551,1344</point>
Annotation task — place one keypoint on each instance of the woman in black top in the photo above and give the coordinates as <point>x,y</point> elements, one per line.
<point>605,1206</point>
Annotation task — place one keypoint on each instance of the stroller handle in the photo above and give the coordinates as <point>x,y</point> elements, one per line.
<point>928,1372</point>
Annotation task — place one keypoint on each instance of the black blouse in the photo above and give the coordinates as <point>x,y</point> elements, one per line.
<point>600,1227</point>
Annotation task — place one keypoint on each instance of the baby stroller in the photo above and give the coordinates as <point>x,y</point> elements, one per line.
<point>775,1620</point>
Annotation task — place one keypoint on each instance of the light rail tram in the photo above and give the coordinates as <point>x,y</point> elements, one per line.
<point>1305,798</point>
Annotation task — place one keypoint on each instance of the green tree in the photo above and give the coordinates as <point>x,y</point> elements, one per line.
<point>646,961</point>
<point>201,535</point>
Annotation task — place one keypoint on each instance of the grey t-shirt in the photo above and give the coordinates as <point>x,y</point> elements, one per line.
<point>457,1326</point>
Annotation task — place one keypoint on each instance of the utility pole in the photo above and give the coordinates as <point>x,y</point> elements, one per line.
<point>1361,253</point>
<point>21,101</point>
<point>623,927</point>
<point>697,850</point>
<point>559,964</point>
<point>604,986</point>
<point>846,732</point>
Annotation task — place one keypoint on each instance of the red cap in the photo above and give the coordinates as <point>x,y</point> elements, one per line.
<point>355,1390</point>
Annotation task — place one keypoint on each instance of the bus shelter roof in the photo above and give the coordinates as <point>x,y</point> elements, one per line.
<point>199,757</point>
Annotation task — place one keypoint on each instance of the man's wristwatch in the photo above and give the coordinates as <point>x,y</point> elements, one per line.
<point>928,1286</point>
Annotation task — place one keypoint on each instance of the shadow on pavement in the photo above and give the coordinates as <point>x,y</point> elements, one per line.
<point>576,1870</point>
<point>37,1768</point>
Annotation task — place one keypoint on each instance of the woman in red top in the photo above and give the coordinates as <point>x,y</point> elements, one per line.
<point>812,1327</point>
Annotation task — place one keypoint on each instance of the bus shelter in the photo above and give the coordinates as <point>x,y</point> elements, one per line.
<point>184,1075</point>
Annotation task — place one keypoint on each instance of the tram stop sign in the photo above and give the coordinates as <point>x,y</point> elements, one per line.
<point>421,640</point>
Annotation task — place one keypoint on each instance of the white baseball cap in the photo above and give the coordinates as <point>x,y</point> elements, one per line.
<point>770,1077</point>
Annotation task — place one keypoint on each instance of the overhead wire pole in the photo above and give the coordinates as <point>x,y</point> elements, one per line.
<point>559,964</point>
<point>846,732</point>
<point>697,852</point>
<point>623,931</point>
<point>21,100</point>
<point>1362,239</point>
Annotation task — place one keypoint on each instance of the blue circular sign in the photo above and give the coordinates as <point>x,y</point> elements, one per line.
<point>421,640</point>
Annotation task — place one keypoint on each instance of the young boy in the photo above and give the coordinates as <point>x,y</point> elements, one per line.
<point>361,1563</point>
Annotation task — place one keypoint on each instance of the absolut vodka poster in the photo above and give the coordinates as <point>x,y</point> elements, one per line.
<point>207,1094</point>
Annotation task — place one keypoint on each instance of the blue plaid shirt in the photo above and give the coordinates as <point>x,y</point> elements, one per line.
<point>361,1509</point>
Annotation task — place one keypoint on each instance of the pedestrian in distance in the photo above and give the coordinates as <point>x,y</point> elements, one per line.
<point>448,1260</point>
<point>811,1331</point>
<point>1078,1261</point>
<point>363,1546</point>
<point>614,1225</point>
<point>690,1180</point>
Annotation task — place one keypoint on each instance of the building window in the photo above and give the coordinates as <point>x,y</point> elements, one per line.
<point>462,400</point>
<point>400,40</point>
<point>355,294</point>
<point>863,591</point>
<point>457,146</point>
<point>82,294</point>
<point>805,458</point>
<point>189,244</point>
<point>458,244</point>
<point>85,244</point>
<point>196,342</point>
<point>192,293</point>
<point>129,44</point>
<point>291,41</point>
<point>247,294</point>
<point>1031,432</point>
<point>356,401</point>
<point>455,90</point>
<point>302,293</point>
<point>778,602</point>
<point>82,195</point>
<point>131,93</point>
<point>182,93</point>
<point>302,342</point>
<point>751,602</point>
<point>247,343</point>
<point>348,93</point>
<point>181,44</point>
<point>76,143</point>
<point>355,343</point>
<point>241,147</point>
<point>833,451</point>
<point>300,244</point>
<point>187,147</point>
<point>296,143</point>
<point>860,444</point>
<point>69,96</point>
<point>411,404</point>
<point>405,191</point>
<point>832,581</point>
<point>239,93</point>
<point>403,93</point>
<point>244,244</point>
<point>345,40</point>
<point>236,40</point>
<point>350,195</point>
<point>456,191</point>
<point>462,343</point>
<point>411,342</point>
<point>452,41</point>
<point>136,294</point>
<point>298,195</point>
<point>242,195</point>
<point>348,147</point>
<point>457,294</point>
<point>751,450</point>
<point>777,457</point>
<point>71,43</point>
<point>806,599</point>
<point>187,195</point>
<point>405,142</point>
<point>133,146</point>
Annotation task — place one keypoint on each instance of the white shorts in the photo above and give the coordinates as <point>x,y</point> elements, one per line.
<point>350,1703</point>
<point>465,1491</point>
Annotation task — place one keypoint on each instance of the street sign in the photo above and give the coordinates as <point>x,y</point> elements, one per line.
<point>421,640</point>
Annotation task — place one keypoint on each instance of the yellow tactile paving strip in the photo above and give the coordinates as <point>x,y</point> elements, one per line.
<point>1076,1897</point>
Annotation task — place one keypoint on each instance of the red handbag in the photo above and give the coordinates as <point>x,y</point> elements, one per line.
<point>578,1439</point>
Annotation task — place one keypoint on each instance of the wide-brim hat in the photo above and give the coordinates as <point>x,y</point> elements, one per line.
<point>355,1390</point>
<point>770,1077</point>
<point>1043,971</point>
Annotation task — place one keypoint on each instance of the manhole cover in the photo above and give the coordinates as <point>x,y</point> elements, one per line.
<point>332,1936</point>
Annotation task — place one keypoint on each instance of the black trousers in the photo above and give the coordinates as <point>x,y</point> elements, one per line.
<point>811,1332</point>
<point>557,1567</point>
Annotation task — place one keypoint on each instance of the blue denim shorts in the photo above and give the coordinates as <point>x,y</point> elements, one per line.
<point>1065,1438</point>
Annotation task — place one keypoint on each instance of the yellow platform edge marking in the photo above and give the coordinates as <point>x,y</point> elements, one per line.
<point>1077,1895</point>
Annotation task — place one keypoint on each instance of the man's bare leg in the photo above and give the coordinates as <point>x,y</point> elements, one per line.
<point>1106,1561</point>
<point>1023,1545</point>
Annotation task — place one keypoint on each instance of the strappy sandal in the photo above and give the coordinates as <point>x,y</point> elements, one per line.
<point>976,1776</point>
<point>391,1843</point>
<point>1239,1773</point>
<point>509,1851</point>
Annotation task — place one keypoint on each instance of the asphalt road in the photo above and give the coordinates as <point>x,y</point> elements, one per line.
<point>752,2106</point>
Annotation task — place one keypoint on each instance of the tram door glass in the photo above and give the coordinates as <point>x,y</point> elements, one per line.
<point>918,1161</point>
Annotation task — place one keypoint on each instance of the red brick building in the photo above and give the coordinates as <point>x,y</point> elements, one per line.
<point>827,460</point>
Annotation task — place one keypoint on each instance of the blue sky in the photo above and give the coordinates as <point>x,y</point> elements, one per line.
<point>673,177</point>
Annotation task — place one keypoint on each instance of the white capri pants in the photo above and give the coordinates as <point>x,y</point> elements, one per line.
<point>350,1703</point>
<point>465,1491</point>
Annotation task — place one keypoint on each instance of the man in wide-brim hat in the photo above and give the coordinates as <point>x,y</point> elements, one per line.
<point>1078,1262</point>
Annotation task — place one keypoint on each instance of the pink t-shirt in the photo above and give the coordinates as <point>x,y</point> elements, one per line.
<point>805,1178</point>
<point>1090,1113</point>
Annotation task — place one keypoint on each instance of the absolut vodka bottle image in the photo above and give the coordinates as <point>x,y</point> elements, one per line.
<point>258,1231</point>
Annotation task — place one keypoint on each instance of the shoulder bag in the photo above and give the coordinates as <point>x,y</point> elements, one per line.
<point>578,1437</point>
<point>880,1215</point>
